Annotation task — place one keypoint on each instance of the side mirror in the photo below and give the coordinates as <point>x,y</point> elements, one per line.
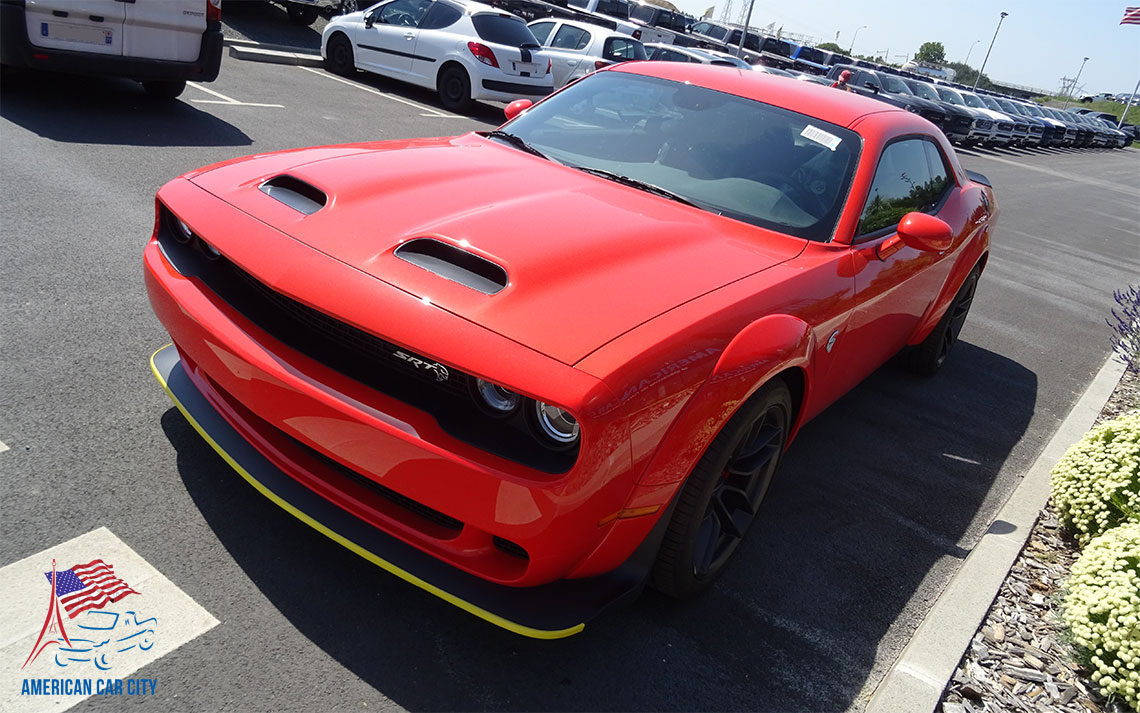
<point>518,106</point>
<point>369,20</point>
<point>925,232</point>
<point>871,85</point>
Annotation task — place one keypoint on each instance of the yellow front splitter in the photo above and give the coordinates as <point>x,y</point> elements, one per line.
<point>550,611</point>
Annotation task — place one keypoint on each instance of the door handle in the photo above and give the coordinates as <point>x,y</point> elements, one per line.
<point>409,35</point>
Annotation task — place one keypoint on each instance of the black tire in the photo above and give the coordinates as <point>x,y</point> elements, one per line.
<point>302,14</point>
<point>164,89</point>
<point>927,358</point>
<point>339,58</point>
<point>723,494</point>
<point>454,88</point>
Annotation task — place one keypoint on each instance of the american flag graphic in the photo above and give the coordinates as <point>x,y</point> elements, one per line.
<point>1131,16</point>
<point>88,586</point>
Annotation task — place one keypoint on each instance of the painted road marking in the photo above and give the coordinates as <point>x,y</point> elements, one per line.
<point>109,643</point>
<point>427,110</point>
<point>1106,185</point>
<point>224,99</point>
<point>3,446</point>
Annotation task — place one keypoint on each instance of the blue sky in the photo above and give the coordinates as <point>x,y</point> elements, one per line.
<point>1039,42</point>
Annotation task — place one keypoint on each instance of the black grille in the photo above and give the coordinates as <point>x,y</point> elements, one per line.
<point>371,350</point>
<point>435,516</point>
<point>366,358</point>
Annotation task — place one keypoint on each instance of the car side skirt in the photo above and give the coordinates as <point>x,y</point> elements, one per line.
<point>550,611</point>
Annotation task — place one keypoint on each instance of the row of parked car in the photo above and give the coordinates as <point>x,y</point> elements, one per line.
<point>468,51</point>
<point>969,117</point>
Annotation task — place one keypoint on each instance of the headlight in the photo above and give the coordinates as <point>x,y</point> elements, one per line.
<point>494,399</point>
<point>555,426</point>
<point>182,232</point>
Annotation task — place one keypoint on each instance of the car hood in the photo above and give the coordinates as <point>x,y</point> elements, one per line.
<point>586,259</point>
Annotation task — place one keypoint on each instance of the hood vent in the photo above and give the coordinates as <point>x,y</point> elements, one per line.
<point>454,264</point>
<point>295,193</point>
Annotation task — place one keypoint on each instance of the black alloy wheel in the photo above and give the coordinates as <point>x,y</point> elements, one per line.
<point>723,495</point>
<point>928,357</point>
<point>454,88</point>
<point>338,55</point>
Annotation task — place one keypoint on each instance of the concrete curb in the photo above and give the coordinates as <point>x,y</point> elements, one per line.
<point>261,53</point>
<point>916,681</point>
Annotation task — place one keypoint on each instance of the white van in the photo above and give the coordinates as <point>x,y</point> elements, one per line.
<point>161,43</point>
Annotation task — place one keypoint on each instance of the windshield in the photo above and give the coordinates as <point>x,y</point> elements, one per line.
<point>923,90</point>
<point>895,85</point>
<point>811,54</point>
<point>972,100</point>
<point>714,31</point>
<point>1031,110</point>
<point>1010,107</point>
<point>736,157</point>
<point>951,96</point>
<point>643,13</point>
<point>751,42</point>
<point>991,103</point>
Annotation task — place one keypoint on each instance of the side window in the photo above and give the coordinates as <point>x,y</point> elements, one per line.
<point>439,16</point>
<point>939,176</point>
<point>403,13</point>
<point>671,56</point>
<point>541,31</point>
<point>621,48</point>
<point>613,8</point>
<point>569,37</point>
<point>903,183</point>
<point>701,27</point>
<point>865,77</point>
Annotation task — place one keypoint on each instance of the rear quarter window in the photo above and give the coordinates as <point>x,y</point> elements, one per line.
<point>439,16</point>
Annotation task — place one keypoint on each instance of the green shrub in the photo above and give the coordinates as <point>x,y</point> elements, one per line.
<point>1102,610</point>
<point>1096,485</point>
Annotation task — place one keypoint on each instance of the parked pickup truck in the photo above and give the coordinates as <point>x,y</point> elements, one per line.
<point>619,12</point>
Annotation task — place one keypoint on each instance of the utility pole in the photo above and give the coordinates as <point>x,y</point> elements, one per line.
<point>1074,85</point>
<point>987,59</point>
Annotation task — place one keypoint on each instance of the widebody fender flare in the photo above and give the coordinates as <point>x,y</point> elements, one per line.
<point>766,347</point>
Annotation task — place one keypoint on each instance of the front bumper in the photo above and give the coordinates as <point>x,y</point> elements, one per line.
<point>550,611</point>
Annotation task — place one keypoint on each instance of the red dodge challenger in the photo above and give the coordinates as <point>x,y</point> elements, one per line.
<point>531,370</point>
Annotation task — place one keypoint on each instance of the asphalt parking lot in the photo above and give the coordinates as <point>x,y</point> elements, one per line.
<point>880,498</point>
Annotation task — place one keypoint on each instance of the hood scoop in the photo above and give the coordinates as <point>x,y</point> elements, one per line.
<point>452,263</point>
<point>300,196</point>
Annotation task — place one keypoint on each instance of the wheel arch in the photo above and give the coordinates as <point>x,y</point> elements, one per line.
<point>326,40</point>
<point>774,346</point>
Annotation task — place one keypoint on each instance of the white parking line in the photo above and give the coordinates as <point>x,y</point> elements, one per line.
<point>226,100</point>
<point>3,447</point>
<point>427,110</point>
<point>112,614</point>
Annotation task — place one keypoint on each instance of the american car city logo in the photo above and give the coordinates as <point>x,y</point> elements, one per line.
<point>98,636</point>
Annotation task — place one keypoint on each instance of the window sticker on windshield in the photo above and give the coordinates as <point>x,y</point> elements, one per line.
<point>811,133</point>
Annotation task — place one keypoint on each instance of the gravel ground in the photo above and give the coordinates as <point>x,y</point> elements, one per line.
<point>1020,659</point>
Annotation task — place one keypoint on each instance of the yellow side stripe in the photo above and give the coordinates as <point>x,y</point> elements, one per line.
<point>349,544</point>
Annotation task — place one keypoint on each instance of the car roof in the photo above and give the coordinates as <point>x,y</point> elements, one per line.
<point>588,26</point>
<point>808,98</point>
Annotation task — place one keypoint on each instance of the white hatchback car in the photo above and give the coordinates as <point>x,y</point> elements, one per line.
<point>464,50</point>
<point>577,48</point>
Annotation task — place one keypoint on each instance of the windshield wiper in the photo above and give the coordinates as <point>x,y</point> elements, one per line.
<point>515,141</point>
<point>647,187</point>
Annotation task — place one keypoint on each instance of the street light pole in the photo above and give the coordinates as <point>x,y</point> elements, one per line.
<point>968,52</point>
<point>852,47</point>
<point>744,30</point>
<point>1073,86</point>
<point>987,59</point>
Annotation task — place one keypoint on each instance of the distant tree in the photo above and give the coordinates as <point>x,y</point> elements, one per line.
<point>967,75</point>
<point>932,52</point>
<point>831,47</point>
